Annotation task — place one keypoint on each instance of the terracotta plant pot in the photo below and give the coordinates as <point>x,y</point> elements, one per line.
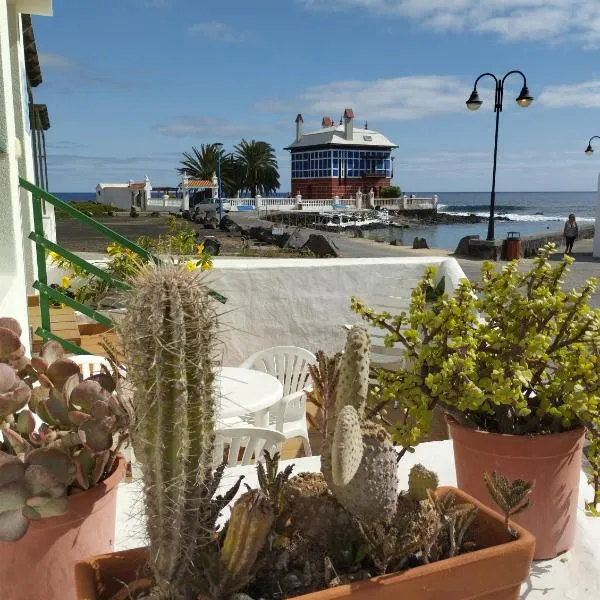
<point>493,573</point>
<point>40,565</point>
<point>552,461</point>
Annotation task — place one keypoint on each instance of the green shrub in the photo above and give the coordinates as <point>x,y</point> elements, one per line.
<point>516,354</point>
<point>393,191</point>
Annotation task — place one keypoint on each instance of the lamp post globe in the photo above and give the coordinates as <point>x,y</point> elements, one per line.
<point>589,150</point>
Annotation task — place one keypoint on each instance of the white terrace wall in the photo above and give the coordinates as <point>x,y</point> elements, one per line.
<point>306,302</point>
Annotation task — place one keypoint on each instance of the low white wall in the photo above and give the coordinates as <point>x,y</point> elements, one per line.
<point>306,302</point>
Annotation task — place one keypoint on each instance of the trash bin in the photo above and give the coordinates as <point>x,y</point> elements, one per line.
<point>512,245</point>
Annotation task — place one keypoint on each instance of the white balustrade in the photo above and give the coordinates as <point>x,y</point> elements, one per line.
<point>286,204</point>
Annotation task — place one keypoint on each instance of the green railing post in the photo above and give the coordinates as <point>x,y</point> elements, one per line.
<point>40,254</point>
<point>39,198</point>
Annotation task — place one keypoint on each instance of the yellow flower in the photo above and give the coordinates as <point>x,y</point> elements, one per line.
<point>190,265</point>
<point>113,249</point>
<point>65,282</point>
<point>54,257</point>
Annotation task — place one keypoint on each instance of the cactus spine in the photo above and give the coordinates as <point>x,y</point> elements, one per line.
<point>169,338</point>
<point>358,459</point>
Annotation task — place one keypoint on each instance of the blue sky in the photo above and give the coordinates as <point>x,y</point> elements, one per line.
<point>131,84</point>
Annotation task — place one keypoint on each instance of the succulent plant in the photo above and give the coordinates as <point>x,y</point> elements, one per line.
<point>58,432</point>
<point>33,489</point>
<point>169,337</point>
<point>249,526</point>
<point>358,459</point>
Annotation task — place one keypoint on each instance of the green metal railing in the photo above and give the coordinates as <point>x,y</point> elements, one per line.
<point>42,244</point>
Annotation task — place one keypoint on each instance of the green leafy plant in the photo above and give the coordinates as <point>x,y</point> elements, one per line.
<point>515,354</point>
<point>393,191</point>
<point>60,434</point>
<point>123,264</point>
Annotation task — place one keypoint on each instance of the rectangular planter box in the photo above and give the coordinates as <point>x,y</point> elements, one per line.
<point>493,573</point>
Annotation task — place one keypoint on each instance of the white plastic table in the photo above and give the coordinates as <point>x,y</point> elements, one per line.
<point>245,391</point>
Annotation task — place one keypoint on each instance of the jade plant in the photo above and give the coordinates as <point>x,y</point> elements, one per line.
<point>515,354</point>
<point>59,434</point>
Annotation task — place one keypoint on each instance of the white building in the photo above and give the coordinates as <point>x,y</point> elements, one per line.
<point>125,195</point>
<point>19,72</point>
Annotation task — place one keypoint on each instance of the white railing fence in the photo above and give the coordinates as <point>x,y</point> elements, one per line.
<point>298,203</point>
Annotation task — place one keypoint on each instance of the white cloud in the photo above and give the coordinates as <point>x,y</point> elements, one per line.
<point>194,127</point>
<point>218,32</point>
<point>78,72</point>
<point>511,20</point>
<point>577,95</point>
<point>398,98</point>
<point>48,60</point>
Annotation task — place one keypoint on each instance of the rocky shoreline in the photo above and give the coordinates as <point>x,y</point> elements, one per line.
<point>440,218</point>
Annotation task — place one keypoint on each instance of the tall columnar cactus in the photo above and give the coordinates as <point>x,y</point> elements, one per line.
<point>359,461</point>
<point>169,337</point>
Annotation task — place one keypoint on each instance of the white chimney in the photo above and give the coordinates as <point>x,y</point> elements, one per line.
<point>299,121</point>
<point>348,124</point>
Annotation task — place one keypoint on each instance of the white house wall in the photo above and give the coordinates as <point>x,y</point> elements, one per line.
<point>119,197</point>
<point>13,282</point>
<point>23,131</point>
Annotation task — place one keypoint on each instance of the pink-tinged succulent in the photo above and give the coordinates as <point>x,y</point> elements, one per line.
<point>58,433</point>
<point>33,489</point>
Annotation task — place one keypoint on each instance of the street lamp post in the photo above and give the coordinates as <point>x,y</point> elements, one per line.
<point>474,102</point>
<point>218,147</point>
<point>589,150</point>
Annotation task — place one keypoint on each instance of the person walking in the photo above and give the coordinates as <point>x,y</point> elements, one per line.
<point>571,233</point>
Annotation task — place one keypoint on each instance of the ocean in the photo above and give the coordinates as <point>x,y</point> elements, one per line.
<point>529,212</point>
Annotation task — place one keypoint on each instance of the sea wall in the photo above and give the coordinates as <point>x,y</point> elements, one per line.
<point>474,247</point>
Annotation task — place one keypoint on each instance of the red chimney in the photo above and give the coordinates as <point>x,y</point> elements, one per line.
<point>327,122</point>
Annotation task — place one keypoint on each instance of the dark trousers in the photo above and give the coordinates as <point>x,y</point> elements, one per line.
<point>569,241</point>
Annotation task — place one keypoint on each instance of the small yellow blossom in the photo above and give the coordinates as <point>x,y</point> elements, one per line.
<point>190,265</point>
<point>65,282</point>
<point>200,249</point>
<point>113,249</point>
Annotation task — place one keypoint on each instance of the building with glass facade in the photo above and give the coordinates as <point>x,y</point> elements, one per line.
<point>339,160</point>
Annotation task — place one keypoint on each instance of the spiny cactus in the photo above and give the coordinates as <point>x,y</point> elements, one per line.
<point>359,461</point>
<point>249,525</point>
<point>169,337</point>
<point>420,480</point>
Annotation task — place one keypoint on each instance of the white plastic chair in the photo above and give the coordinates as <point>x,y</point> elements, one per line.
<point>290,365</point>
<point>253,440</point>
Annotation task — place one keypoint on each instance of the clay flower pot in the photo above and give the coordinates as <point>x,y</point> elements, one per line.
<point>493,573</point>
<point>553,461</point>
<point>40,565</point>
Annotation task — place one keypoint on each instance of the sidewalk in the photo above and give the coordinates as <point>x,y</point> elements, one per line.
<point>585,266</point>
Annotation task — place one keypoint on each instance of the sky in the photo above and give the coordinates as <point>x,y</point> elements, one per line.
<point>132,84</point>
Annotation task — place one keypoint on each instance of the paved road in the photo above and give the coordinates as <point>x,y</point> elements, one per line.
<point>77,237</point>
<point>585,266</point>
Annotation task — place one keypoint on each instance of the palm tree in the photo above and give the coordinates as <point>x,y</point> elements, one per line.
<point>258,166</point>
<point>202,164</point>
